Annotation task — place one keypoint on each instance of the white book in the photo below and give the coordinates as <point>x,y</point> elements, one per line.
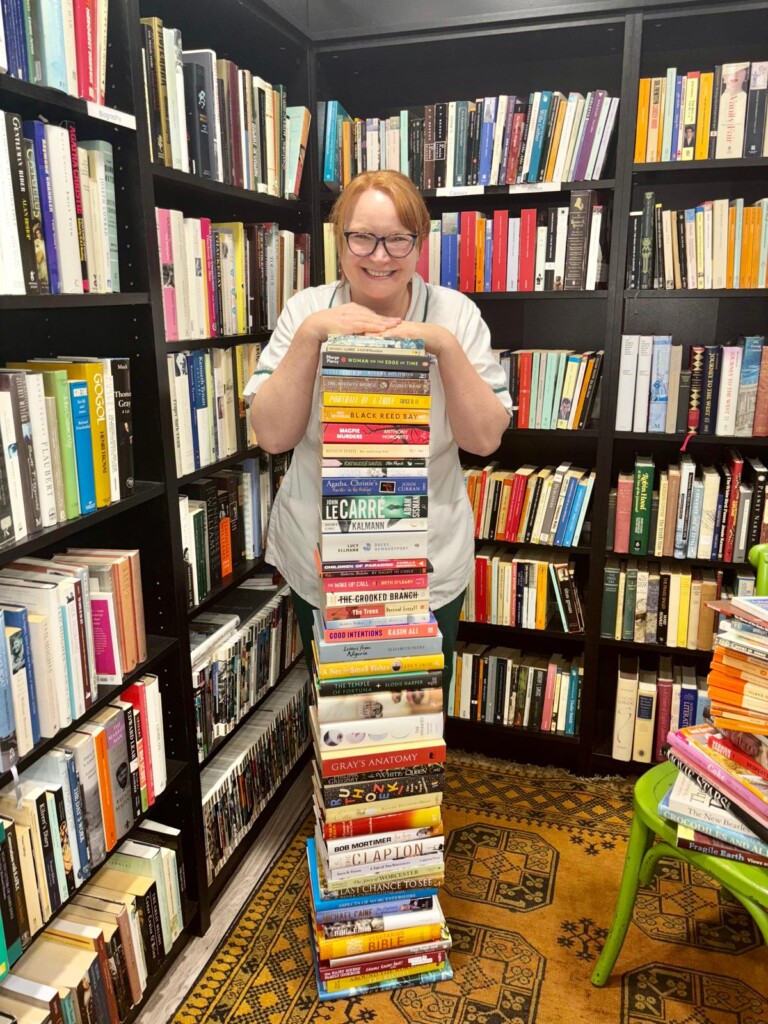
<point>728,395</point>
<point>719,242</point>
<point>64,217</point>
<point>630,350</point>
<point>12,466</point>
<point>669,112</point>
<point>498,138</point>
<point>582,126</point>
<point>673,399</point>
<point>169,362</point>
<point>450,149</point>
<point>691,250</point>
<point>189,552</point>
<point>732,113</point>
<point>532,119</point>
<point>11,267</point>
<point>645,718</point>
<point>597,138</point>
<point>643,384</point>
<point>541,252</point>
<point>97,170</point>
<point>93,262</point>
<point>181,278</point>
<point>181,371</point>
<point>41,448</point>
<point>14,648</point>
<point>151,685</point>
<point>70,51</point>
<point>666,234</point>
<point>594,255</point>
<point>711,483</point>
<point>708,238</point>
<point>624,715</point>
<point>58,472</point>
<point>434,241</point>
<point>605,141</point>
<point>513,254</point>
<point>565,135</point>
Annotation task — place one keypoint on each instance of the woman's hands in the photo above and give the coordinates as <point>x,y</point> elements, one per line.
<point>349,318</point>
<point>437,340</point>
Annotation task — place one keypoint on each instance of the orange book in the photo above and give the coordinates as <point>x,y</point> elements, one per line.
<point>225,541</point>
<point>747,232</point>
<point>480,253</point>
<point>99,734</point>
<point>739,700</point>
<point>374,941</point>
<point>731,246</point>
<point>506,494</point>
<point>589,369</point>
<point>737,684</point>
<point>553,149</point>
<point>739,665</point>
<point>346,153</point>
<point>529,489</point>
<point>641,128</point>
<point>758,212</point>
<point>704,116</point>
<point>134,562</point>
<point>542,573</point>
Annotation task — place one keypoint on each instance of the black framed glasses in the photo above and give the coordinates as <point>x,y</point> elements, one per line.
<point>364,243</point>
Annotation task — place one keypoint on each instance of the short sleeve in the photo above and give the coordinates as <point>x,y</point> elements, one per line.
<point>273,353</point>
<point>475,339</point>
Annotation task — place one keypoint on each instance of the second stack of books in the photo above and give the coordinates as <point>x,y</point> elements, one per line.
<point>376,860</point>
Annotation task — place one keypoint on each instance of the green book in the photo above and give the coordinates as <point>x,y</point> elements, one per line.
<point>611,574</point>
<point>553,363</point>
<point>642,499</point>
<point>630,592</point>
<point>535,362</point>
<point>56,386</point>
<point>10,951</point>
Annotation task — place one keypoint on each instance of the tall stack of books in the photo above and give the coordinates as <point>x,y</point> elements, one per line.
<point>720,799</point>
<point>377,856</point>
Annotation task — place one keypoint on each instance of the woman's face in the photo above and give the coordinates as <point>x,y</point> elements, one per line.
<point>735,79</point>
<point>378,281</point>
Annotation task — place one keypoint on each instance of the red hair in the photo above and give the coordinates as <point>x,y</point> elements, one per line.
<point>411,208</point>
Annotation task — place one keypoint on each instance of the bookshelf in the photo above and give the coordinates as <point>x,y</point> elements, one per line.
<point>610,49</point>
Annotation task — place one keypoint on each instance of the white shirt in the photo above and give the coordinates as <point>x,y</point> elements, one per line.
<point>294,526</point>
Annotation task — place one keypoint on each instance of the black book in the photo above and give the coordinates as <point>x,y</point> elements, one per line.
<point>710,388</point>
<point>416,151</point>
<point>647,235</point>
<point>658,252</point>
<point>682,251</point>
<point>473,147</point>
<point>524,139</point>
<point>231,481</point>
<point>17,884</point>
<point>717,85</point>
<point>14,383</point>
<point>133,755</point>
<point>683,401</point>
<point>193,100</point>
<point>470,134</point>
<point>501,681</point>
<point>121,382</point>
<point>755,124</point>
<point>261,109</point>
<point>441,145</point>
<point>8,904</point>
<point>62,828</point>
<point>663,619</point>
<point>537,697</point>
<point>46,841</point>
<point>496,487</point>
<point>592,390</point>
<point>21,201</point>
<point>548,133</point>
<point>156,141</point>
<point>579,218</point>
<point>428,162</point>
<point>514,387</point>
<point>7,531</point>
<point>756,474</point>
<point>633,250</point>
<point>549,255</point>
<point>225,127</point>
<point>205,490</point>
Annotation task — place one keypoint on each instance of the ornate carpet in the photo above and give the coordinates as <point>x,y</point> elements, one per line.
<point>534,859</point>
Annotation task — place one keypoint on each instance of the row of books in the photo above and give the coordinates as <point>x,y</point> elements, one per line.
<point>650,702</point>
<point>59,45</point>
<point>238,783</point>
<point>211,118</point>
<point>501,686</point>
<point>552,389</point>
<point>523,588</point>
<point>95,960</point>
<point>58,196</point>
<point>529,505</point>
<point>66,441</point>
<point>206,389</point>
<point>706,512</point>
<point>703,115</point>
<point>224,520</point>
<point>72,806</point>
<point>240,649</point>
<point>659,603</point>
<point>722,392</point>
<point>223,279</point>
<point>718,243</point>
<point>494,140</point>
<point>70,624</point>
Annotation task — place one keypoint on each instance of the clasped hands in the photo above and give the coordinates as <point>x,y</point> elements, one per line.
<point>352,318</point>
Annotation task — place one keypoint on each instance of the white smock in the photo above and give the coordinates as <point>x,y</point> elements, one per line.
<point>294,525</point>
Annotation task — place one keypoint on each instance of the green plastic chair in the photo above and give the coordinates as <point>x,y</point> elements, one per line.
<point>748,884</point>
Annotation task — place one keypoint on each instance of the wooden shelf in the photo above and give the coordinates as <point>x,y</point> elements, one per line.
<point>143,493</point>
<point>52,302</point>
<point>214,467</point>
<point>191,185</point>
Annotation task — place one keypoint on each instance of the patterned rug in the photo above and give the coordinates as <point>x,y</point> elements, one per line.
<point>534,859</point>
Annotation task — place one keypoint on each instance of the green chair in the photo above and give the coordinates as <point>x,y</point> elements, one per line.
<point>748,884</point>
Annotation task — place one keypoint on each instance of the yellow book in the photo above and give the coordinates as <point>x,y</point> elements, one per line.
<point>376,666</point>
<point>641,128</point>
<point>238,237</point>
<point>417,417</point>
<point>757,231</point>
<point>347,146</point>
<point>375,451</point>
<point>342,984</point>
<point>684,608</point>
<point>353,812</point>
<point>662,104</point>
<point>689,104</point>
<point>382,401</point>
<point>479,253</point>
<point>555,146</point>
<point>704,116</point>
<point>699,246</point>
<point>373,942</point>
<point>747,231</point>
<point>542,574</point>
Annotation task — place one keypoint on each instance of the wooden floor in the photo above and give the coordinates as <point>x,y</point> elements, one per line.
<point>166,1000</point>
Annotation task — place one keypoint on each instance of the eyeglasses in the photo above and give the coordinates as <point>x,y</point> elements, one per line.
<point>365,243</point>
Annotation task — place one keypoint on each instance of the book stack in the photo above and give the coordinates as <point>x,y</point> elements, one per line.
<point>377,724</point>
<point>720,799</point>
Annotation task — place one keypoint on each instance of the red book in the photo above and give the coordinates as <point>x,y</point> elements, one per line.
<point>527,263</point>
<point>422,264</point>
<point>728,749</point>
<point>84,50</point>
<point>78,202</point>
<point>425,818</point>
<point>663,716</point>
<point>364,632</point>
<point>416,581</point>
<point>760,425</point>
<point>518,123</point>
<point>623,513</point>
<point>481,595</point>
<point>373,759</point>
<point>549,697</point>
<point>205,234</point>
<point>519,485</point>
<point>524,388</point>
<point>137,695</point>
<point>736,465</point>
<point>467,251</point>
<point>374,433</point>
<point>499,252</point>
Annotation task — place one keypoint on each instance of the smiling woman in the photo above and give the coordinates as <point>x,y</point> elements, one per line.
<point>381,222</point>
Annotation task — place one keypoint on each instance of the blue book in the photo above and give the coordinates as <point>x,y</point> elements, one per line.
<point>674,153</point>
<point>16,615</point>
<point>193,383</point>
<point>689,695</point>
<point>367,485</point>
<point>320,904</point>
<point>573,693</point>
<point>81,426</point>
<point>78,812</point>
<point>488,263</point>
<point>659,396</point>
<point>694,525</point>
<point>719,513</point>
<point>375,909</point>
<point>449,250</point>
<point>52,59</point>
<point>14,21</point>
<point>750,372</point>
<point>539,130</point>
<point>35,130</point>
<point>486,141</point>
<point>329,146</point>
<point>573,516</point>
<point>9,751</point>
<point>710,828</point>
<point>570,494</point>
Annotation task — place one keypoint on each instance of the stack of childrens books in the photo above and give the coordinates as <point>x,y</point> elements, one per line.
<point>720,798</point>
<point>376,859</point>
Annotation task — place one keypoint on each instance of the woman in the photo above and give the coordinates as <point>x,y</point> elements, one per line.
<point>380,222</point>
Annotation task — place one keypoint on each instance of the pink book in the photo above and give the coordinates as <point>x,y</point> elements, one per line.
<point>212,328</point>
<point>422,264</point>
<point>663,716</point>
<point>500,235</point>
<point>418,581</point>
<point>84,49</point>
<point>105,644</point>
<point>760,425</point>
<point>623,513</point>
<point>165,250</point>
<point>549,696</point>
<point>527,261</point>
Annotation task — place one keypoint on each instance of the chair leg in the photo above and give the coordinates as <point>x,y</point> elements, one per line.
<point>653,856</point>
<point>759,914</point>
<point>640,839</point>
